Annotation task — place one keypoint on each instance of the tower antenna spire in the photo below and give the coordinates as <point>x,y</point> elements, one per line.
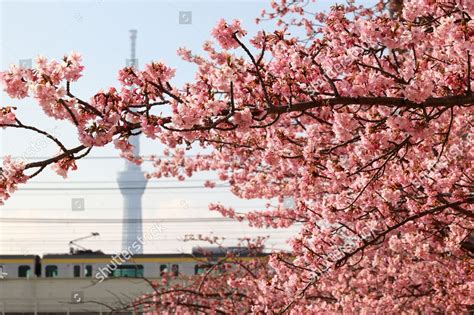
<point>133,43</point>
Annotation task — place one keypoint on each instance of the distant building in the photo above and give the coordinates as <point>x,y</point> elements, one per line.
<point>132,182</point>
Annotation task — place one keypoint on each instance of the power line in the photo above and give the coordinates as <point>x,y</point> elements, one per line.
<point>148,242</point>
<point>115,182</point>
<point>114,188</point>
<point>177,232</point>
<point>114,193</point>
<point>112,221</point>
<point>103,157</point>
<point>167,229</point>
<point>93,222</point>
<point>185,206</point>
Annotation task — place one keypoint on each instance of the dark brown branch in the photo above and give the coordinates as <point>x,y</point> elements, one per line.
<point>469,90</point>
<point>469,200</point>
<point>86,105</point>
<point>257,69</point>
<point>73,117</point>
<point>57,158</point>
<point>41,132</point>
<point>394,102</point>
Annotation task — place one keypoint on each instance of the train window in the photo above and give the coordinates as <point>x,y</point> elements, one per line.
<point>24,271</point>
<point>88,271</point>
<point>77,271</point>
<point>175,270</point>
<point>128,271</point>
<point>51,271</point>
<point>199,269</point>
<point>163,270</point>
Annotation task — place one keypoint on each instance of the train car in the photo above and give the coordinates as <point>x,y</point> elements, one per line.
<point>98,265</point>
<point>207,257</point>
<point>77,265</point>
<point>19,266</point>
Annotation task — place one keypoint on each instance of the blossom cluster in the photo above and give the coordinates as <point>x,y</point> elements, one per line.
<point>364,125</point>
<point>11,174</point>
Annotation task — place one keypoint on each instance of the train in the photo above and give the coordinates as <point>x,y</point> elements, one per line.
<point>98,265</point>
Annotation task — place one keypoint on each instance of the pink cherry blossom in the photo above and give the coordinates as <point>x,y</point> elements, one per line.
<point>360,116</point>
<point>11,174</point>
<point>7,116</point>
<point>224,33</point>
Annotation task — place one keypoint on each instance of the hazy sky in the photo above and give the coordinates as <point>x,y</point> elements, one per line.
<point>99,30</point>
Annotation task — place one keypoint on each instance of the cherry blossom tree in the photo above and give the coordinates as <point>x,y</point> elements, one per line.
<point>362,116</point>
